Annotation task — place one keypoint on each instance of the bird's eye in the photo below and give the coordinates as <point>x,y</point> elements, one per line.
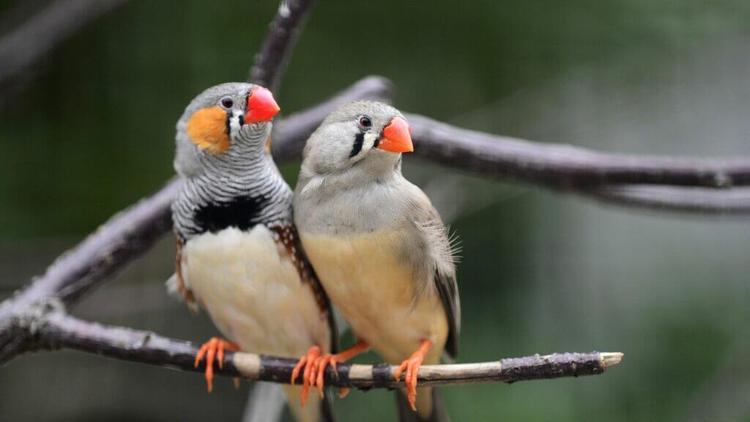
<point>227,102</point>
<point>365,122</point>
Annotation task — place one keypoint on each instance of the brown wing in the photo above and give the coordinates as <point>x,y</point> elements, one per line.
<point>289,238</point>
<point>186,293</point>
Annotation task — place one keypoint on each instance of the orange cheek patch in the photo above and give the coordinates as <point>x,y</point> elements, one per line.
<point>207,128</point>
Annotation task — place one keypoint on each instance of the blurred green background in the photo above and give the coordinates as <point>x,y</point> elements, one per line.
<point>90,129</point>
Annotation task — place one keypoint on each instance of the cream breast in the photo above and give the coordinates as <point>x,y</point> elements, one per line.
<point>374,290</point>
<point>253,292</point>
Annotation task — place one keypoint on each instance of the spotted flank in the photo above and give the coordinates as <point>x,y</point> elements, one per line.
<point>288,237</point>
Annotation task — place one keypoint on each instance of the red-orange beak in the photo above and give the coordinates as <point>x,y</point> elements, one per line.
<point>396,136</point>
<point>261,107</point>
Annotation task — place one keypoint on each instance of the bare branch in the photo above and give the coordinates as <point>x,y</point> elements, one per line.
<point>43,31</point>
<point>735,201</point>
<point>279,43</point>
<point>564,166</point>
<point>124,237</point>
<point>54,329</point>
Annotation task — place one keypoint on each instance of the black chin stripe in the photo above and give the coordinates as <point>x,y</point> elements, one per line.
<point>241,118</point>
<point>358,141</point>
<point>228,123</point>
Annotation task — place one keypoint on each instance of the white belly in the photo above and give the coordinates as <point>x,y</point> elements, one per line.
<point>253,292</point>
<point>374,291</point>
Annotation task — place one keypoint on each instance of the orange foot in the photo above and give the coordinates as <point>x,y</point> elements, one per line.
<point>411,366</point>
<point>306,362</point>
<point>315,365</point>
<point>214,348</point>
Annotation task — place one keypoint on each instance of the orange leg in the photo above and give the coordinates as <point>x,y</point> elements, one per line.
<point>411,366</point>
<point>305,363</point>
<point>328,359</point>
<point>214,349</point>
<point>314,364</point>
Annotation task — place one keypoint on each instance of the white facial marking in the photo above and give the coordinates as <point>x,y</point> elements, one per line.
<point>234,121</point>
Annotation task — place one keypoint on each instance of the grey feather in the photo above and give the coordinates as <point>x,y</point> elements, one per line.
<point>339,194</point>
<point>243,170</point>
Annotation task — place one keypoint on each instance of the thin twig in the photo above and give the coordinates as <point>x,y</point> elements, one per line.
<point>279,43</point>
<point>735,201</point>
<point>54,329</point>
<point>42,32</point>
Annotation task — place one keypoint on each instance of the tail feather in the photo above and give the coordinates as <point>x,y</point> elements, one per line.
<point>437,412</point>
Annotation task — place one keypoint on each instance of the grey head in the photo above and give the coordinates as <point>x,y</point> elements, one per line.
<point>221,125</point>
<point>362,137</point>
<point>351,169</point>
<point>223,141</point>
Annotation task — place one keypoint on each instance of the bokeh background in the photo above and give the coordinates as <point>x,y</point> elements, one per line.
<point>89,129</point>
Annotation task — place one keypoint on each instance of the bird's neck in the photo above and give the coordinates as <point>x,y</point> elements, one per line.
<point>240,190</point>
<point>333,204</point>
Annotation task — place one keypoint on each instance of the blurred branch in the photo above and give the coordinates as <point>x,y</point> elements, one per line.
<point>734,201</point>
<point>282,36</point>
<point>34,38</point>
<point>565,166</point>
<point>678,184</point>
<point>51,328</point>
<point>125,236</point>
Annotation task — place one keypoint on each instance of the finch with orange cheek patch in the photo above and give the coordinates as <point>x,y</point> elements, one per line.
<point>378,245</point>
<point>238,253</point>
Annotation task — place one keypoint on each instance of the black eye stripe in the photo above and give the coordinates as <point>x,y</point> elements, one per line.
<point>358,141</point>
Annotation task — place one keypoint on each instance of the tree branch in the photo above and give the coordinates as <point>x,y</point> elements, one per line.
<point>282,36</point>
<point>43,31</point>
<point>735,201</point>
<point>50,328</point>
<point>564,166</point>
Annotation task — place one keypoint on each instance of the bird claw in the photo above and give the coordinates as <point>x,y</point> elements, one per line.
<point>305,365</point>
<point>314,364</point>
<point>212,350</point>
<point>411,366</point>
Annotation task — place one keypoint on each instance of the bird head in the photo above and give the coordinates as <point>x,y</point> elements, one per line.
<point>362,134</point>
<point>223,121</point>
